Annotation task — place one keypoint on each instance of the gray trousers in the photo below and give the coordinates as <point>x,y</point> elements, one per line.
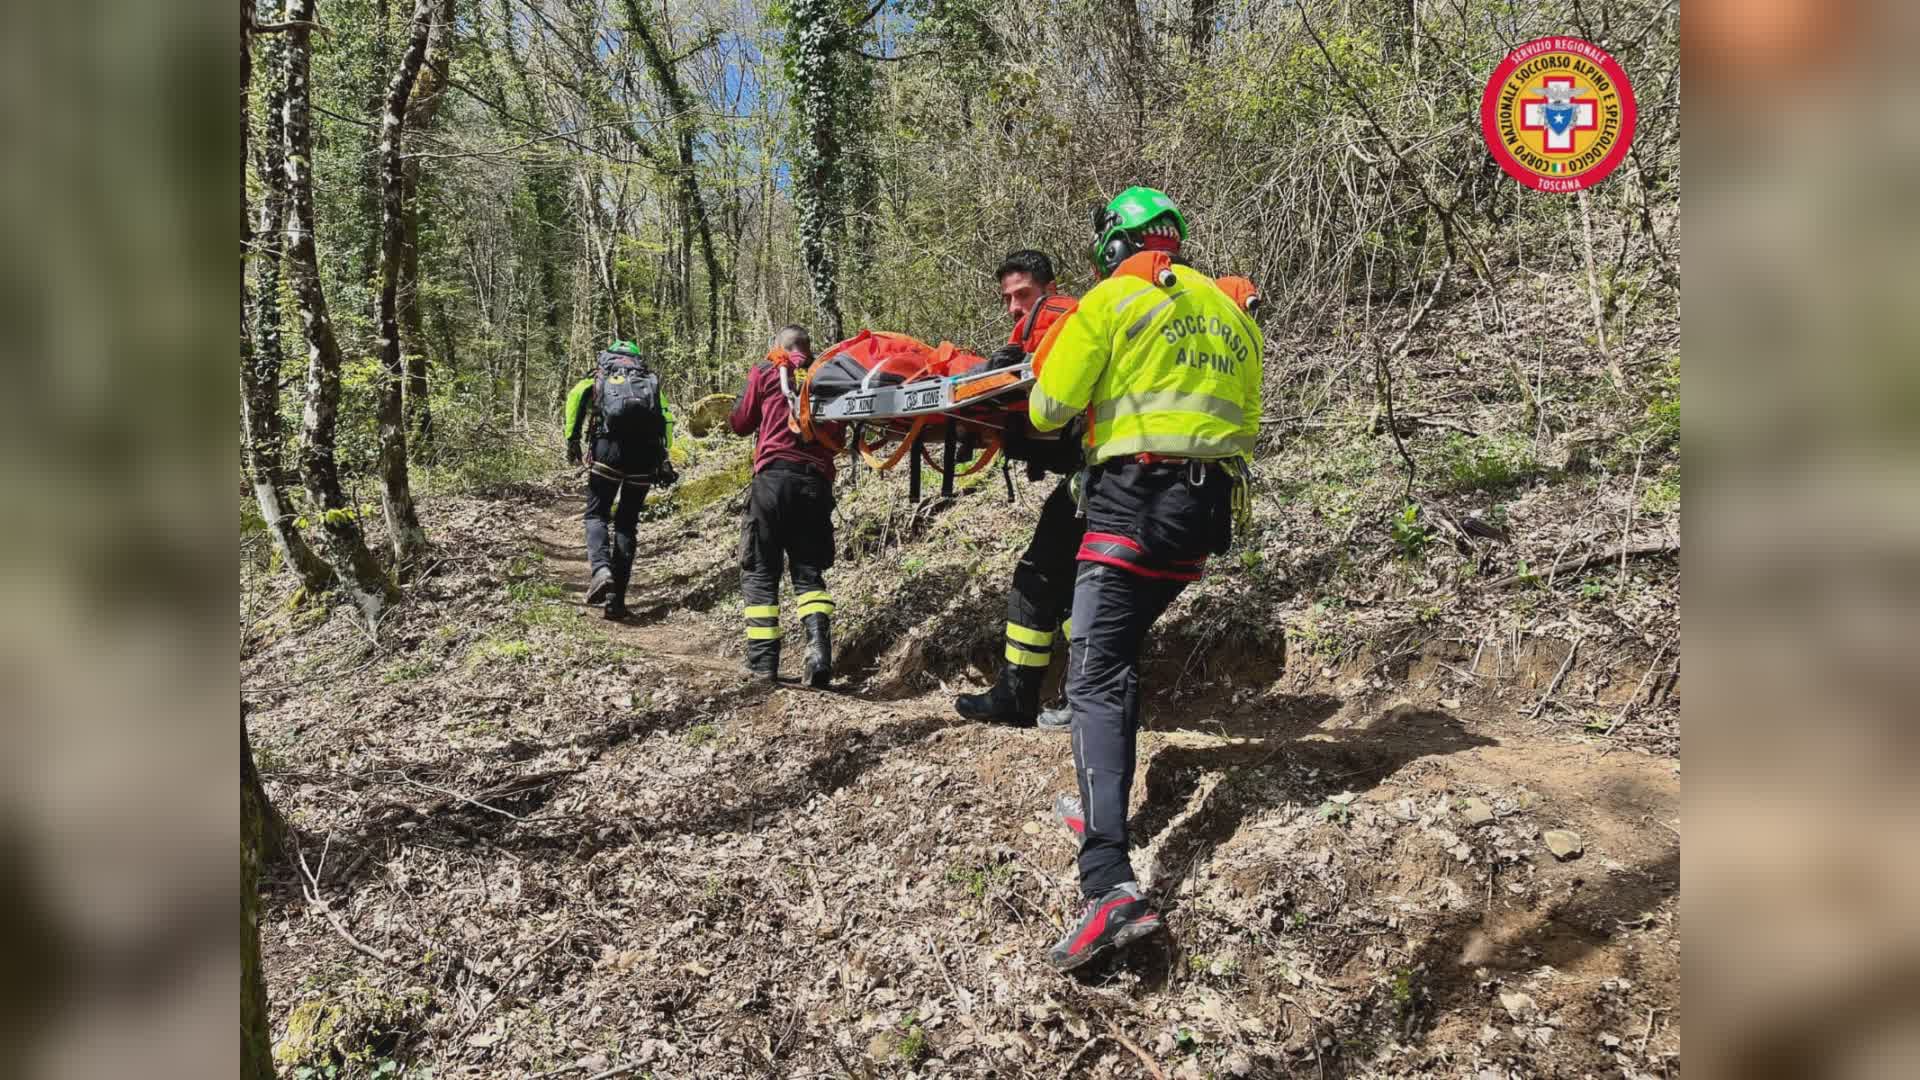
<point>1112,612</point>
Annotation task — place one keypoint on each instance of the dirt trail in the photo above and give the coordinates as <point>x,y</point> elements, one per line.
<point>558,534</point>
<point>1208,810</point>
<point>689,873</point>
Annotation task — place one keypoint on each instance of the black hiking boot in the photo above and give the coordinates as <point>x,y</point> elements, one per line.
<point>1013,700</point>
<point>616,609</point>
<point>1109,921</point>
<point>763,658</point>
<point>601,586</point>
<point>819,650</point>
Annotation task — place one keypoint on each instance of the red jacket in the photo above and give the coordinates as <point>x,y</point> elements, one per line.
<point>1032,329</point>
<point>763,411</point>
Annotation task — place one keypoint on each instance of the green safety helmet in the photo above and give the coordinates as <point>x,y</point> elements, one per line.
<point>1118,227</point>
<point>625,348</point>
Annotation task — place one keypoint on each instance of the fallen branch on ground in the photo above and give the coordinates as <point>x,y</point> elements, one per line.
<point>1572,650</point>
<point>1572,566</point>
<point>1145,1058</point>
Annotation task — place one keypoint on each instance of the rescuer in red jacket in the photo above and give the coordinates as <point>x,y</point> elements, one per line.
<point>789,516</point>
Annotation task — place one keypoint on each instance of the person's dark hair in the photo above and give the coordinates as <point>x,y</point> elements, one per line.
<point>1034,264</point>
<point>783,338</point>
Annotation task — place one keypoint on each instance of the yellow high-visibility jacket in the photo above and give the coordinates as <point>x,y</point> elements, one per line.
<point>1172,371</point>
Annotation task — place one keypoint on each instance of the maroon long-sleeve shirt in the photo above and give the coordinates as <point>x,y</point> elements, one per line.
<point>763,411</point>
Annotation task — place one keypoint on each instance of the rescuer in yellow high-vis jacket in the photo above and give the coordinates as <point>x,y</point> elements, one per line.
<point>1170,371</point>
<point>1167,368</point>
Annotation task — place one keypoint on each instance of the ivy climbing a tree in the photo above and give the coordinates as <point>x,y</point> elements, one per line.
<point>817,66</point>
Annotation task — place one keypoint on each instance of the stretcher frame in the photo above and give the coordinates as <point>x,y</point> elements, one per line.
<point>909,412</point>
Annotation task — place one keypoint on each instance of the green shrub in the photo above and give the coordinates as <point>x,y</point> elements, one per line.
<point>1491,463</point>
<point>407,671</point>
<point>1661,497</point>
<point>1659,427</point>
<point>487,465</point>
<point>912,1044</point>
<point>497,650</point>
<point>529,591</point>
<point>976,880</point>
<point>1408,533</point>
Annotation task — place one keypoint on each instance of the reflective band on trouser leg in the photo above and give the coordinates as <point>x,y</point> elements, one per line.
<point>1026,635</point>
<point>817,602</point>
<point>1028,647</point>
<point>763,622</point>
<point>1027,657</point>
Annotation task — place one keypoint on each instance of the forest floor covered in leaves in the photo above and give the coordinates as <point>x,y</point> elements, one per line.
<point>1408,791</point>
<point>534,843</point>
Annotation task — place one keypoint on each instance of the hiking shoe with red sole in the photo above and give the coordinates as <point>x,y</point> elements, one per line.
<point>1114,919</point>
<point>1067,811</point>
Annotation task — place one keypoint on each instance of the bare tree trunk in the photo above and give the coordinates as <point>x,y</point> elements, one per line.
<point>408,539</point>
<point>1614,372</point>
<point>358,572</point>
<point>1200,28</point>
<point>260,351</point>
<point>520,372</point>
<point>1135,70</point>
<point>1397,30</point>
<point>815,25</point>
<point>550,211</point>
<point>256,1046</point>
<point>256,843</point>
<point>430,89</point>
<point>686,179</point>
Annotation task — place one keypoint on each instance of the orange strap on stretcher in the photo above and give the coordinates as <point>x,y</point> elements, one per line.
<point>988,451</point>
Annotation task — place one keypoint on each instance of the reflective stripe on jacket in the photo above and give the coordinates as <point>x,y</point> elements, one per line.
<point>1173,371</point>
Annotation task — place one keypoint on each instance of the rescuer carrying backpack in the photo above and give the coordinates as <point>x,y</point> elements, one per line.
<point>622,415</point>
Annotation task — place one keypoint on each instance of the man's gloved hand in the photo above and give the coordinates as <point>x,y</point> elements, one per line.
<point>666,476</point>
<point>1069,453</point>
<point>573,451</point>
<point>1007,356</point>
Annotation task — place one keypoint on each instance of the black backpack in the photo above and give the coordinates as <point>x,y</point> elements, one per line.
<point>627,396</point>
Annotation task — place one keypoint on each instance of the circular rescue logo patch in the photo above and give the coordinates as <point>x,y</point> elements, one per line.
<point>1558,114</point>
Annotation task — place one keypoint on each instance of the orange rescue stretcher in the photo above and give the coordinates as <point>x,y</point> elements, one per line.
<point>900,395</point>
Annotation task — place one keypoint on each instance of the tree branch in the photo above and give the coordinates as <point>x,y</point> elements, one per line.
<point>291,24</point>
<point>871,13</point>
<point>1571,566</point>
<point>894,59</point>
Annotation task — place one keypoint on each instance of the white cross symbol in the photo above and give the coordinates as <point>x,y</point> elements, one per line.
<point>1533,117</point>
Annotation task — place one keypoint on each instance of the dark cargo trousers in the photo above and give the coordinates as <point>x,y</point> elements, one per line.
<point>1149,531</point>
<point>613,506</point>
<point>788,526</point>
<point>1042,592</point>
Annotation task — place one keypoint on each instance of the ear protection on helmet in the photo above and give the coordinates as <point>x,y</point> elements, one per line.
<point>1113,252</point>
<point>1118,250</point>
